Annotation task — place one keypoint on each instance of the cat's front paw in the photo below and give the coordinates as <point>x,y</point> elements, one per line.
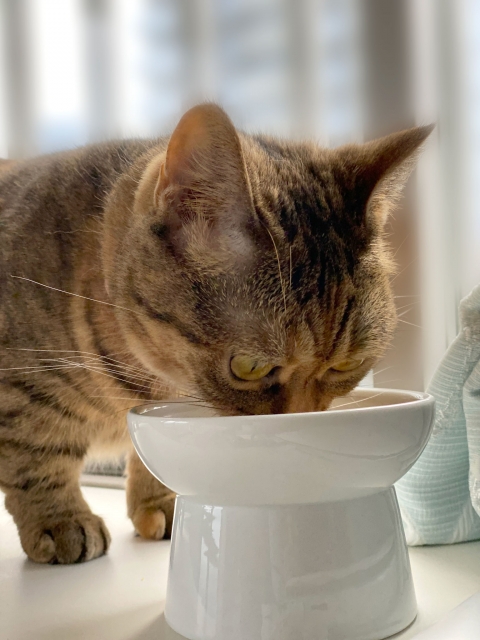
<point>153,519</point>
<point>68,540</point>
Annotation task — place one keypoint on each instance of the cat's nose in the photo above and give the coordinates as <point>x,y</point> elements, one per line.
<point>305,398</point>
<point>304,405</point>
<point>301,394</point>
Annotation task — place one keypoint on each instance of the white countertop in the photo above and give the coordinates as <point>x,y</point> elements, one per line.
<point>121,596</point>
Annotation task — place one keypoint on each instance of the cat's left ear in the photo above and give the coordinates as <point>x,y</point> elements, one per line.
<point>203,190</point>
<point>377,171</point>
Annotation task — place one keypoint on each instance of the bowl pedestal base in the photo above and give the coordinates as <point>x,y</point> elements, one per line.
<point>330,571</point>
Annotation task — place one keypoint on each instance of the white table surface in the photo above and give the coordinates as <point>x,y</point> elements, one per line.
<point>121,596</point>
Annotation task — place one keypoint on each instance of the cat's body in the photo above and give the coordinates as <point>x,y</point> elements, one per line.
<point>185,264</point>
<point>52,414</point>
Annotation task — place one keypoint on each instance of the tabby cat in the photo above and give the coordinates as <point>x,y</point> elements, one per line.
<point>246,272</point>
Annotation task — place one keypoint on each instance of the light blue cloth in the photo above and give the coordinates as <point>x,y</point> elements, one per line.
<point>440,496</point>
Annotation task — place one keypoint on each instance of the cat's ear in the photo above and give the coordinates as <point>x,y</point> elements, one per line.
<point>203,190</point>
<point>377,171</point>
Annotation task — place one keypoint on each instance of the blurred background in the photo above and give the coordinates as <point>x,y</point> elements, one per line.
<point>80,71</point>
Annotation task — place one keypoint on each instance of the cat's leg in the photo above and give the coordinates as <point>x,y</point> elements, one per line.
<point>150,503</point>
<point>43,495</point>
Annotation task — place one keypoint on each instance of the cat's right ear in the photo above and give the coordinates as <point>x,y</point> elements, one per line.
<point>202,193</point>
<point>376,172</point>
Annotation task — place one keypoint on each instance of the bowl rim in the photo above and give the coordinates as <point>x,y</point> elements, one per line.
<point>419,399</point>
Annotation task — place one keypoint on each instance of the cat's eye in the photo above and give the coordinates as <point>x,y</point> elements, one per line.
<point>348,365</point>
<point>247,368</point>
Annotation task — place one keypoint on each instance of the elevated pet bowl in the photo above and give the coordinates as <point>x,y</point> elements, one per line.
<point>287,526</point>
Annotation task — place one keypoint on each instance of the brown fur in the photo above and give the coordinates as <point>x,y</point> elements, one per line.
<point>186,252</point>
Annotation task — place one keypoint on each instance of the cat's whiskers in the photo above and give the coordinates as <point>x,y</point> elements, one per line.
<point>411,324</point>
<point>404,313</point>
<point>135,374</point>
<point>346,404</point>
<point>71,362</point>
<point>67,364</point>
<point>122,368</point>
<point>377,373</point>
<point>403,270</point>
<point>34,368</point>
<point>106,372</point>
<point>400,245</point>
<point>187,398</point>
<point>409,304</point>
<point>116,375</point>
<point>100,358</point>
<point>77,295</point>
<point>150,400</point>
<point>153,382</point>
<point>110,388</point>
<point>282,284</point>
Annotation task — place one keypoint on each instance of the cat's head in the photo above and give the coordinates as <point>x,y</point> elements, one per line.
<point>258,267</point>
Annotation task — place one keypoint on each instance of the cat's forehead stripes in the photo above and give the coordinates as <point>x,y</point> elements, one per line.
<point>168,319</point>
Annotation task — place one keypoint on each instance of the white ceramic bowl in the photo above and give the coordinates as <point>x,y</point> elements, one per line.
<point>287,526</point>
<point>283,459</point>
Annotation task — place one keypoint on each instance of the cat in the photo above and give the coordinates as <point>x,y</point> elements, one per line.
<point>248,273</point>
